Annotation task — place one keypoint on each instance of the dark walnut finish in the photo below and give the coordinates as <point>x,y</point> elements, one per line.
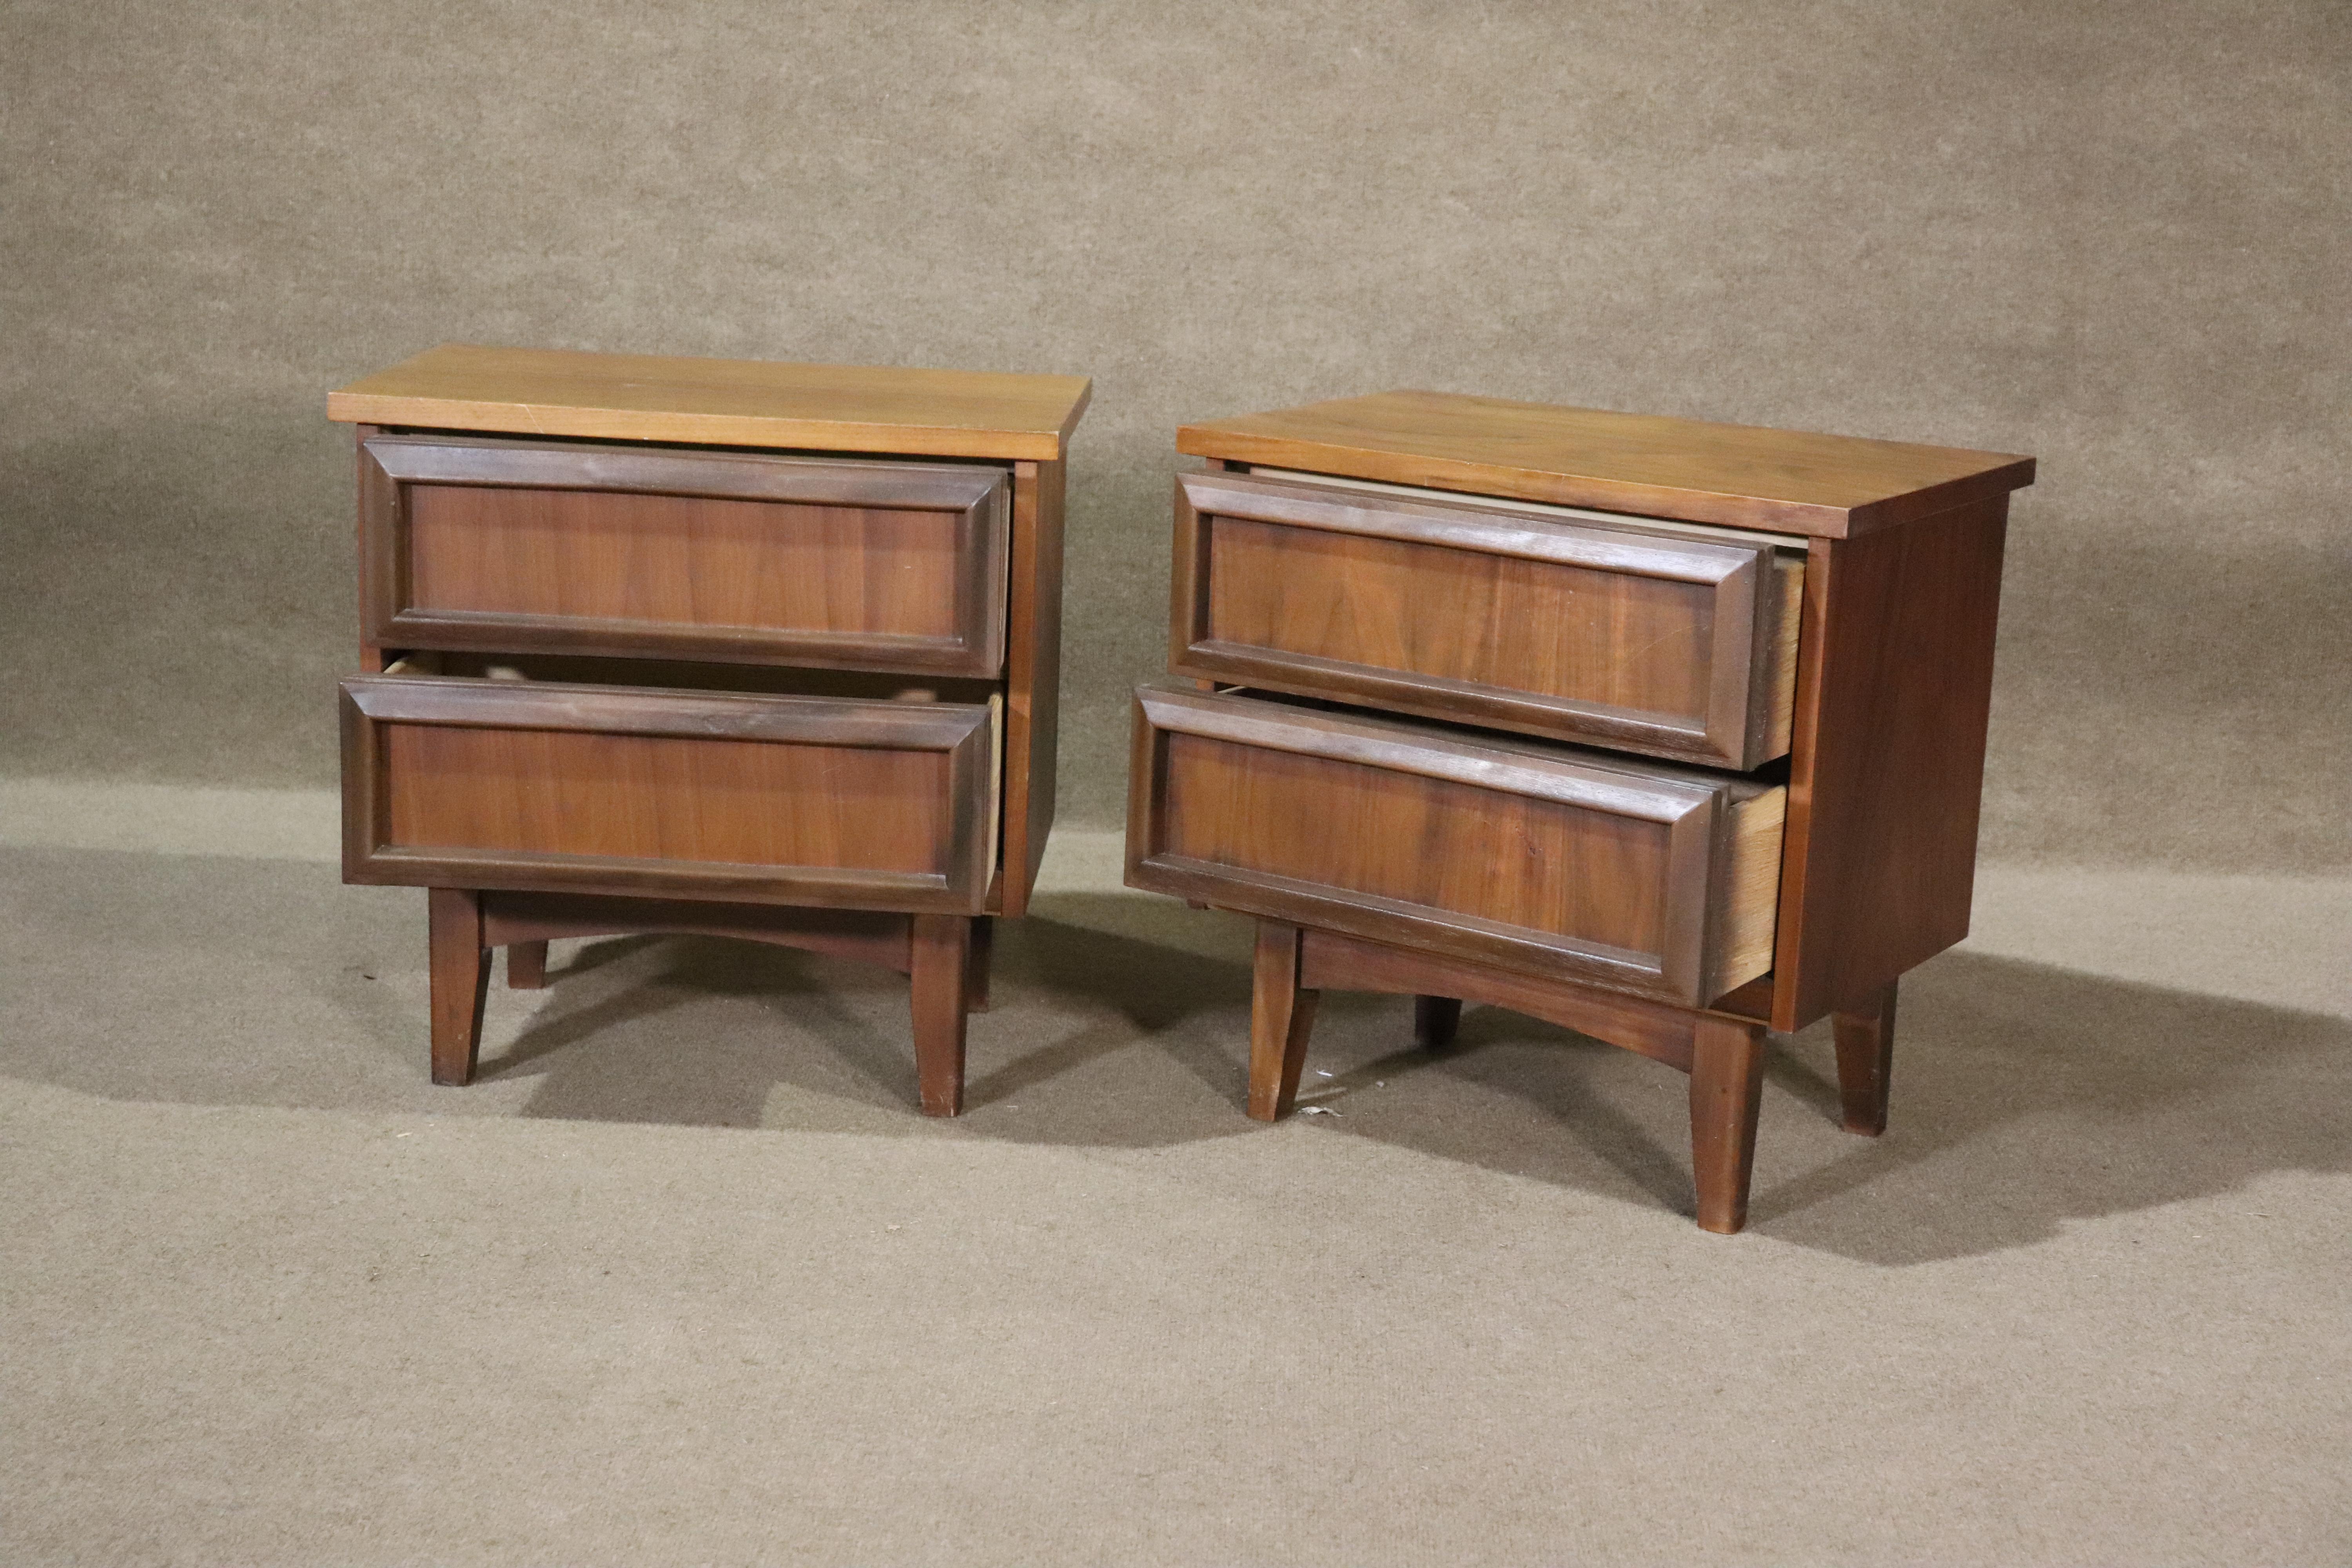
<point>1577,630</point>
<point>467,542</point>
<point>1837,671</point>
<point>503,784</point>
<point>648,653</point>
<point>1568,863</point>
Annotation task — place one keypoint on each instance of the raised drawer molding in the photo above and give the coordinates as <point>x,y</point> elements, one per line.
<point>767,651</point>
<point>520,786</point>
<point>1585,630</point>
<point>473,543</point>
<point>1566,863</point>
<point>1665,730</point>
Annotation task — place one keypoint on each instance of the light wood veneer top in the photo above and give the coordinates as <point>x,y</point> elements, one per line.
<point>735,403</point>
<point>1783,480</point>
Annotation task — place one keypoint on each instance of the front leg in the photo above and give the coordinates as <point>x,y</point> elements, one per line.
<point>1726,1086</point>
<point>941,972</point>
<point>1282,1016</point>
<point>460,980</point>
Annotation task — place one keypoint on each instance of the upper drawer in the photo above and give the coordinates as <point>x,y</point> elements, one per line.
<point>1645,639</point>
<point>473,543</point>
<point>454,782</point>
<point>1548,859</point>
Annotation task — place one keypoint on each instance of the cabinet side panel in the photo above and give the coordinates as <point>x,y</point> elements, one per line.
<point>1894,685</point>
<point>1033,675</point>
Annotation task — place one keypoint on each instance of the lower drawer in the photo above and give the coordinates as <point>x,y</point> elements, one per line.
<point>1549,859</point>
<point>509,784</point>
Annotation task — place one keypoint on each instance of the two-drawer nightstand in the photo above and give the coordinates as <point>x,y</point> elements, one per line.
<point>758,650</point>
<point>1666,731</point>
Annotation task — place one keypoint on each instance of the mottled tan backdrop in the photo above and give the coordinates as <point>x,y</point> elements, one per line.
<point>2110,235</point>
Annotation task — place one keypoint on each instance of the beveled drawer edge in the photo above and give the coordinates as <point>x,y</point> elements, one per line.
<point>1601,547</point>
<point>974,789</point>
<point>415,459</point>
<point>1376,917</point>
<point>1497,765</point>
<point>1776,696</point>
<point>476,702</point>
<point>1723,858</point>
<point>1750,700</point>
<point>1723,532</point>
<point>493,631</point>
<point>1447,699</point>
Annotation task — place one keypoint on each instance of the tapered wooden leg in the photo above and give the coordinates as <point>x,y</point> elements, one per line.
<point>942,967</point>
<point>1281,1018</point>
<point>526,965</point>
<point>1865,1057</point>
<point>461,978</point>
<point>1727,1083</point>
<point>1434,1019</point>
<point>975,979</point>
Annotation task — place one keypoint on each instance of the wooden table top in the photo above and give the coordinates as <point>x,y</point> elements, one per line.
<point>1788,481</point>
<point>734,403</point>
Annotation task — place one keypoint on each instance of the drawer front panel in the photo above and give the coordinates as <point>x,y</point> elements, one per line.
<point>1456,849</point>
<point>490,784</point>
<point>1565,863</point>
<point>1650,642</point>
<point>482,543</point>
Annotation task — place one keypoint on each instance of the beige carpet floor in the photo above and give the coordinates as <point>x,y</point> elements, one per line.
<point>684,1279</point>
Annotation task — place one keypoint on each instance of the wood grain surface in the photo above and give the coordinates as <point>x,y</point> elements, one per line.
<point>1652,642</point>
<point>475,544</point>
<point>1513,859</point>
<point>1567,864</point>
<point>1887,772</point>
<point>1032,679</point>
<point>509,784</point>
<point>1788,481</point>
<point>738,403</point>
<point>664,797</point>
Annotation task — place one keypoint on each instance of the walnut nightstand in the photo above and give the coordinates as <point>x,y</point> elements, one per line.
<point>1664,730</point>
<point>758,650</point>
